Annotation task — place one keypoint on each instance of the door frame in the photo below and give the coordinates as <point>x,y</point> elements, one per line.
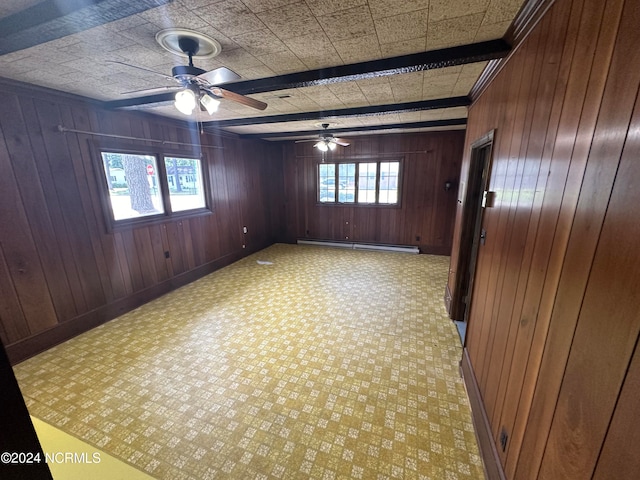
<point>477,183</point>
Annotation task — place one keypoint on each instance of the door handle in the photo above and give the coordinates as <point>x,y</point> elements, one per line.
<point>483,236</point>
<point>488,199</point>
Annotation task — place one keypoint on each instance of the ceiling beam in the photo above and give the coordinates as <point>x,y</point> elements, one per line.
<point>367,128</point>
<point>345,112</point>
<point>445,57</point>
<point>54,19</point>
<point>141,102</point>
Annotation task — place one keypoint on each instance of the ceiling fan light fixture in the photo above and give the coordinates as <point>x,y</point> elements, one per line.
<point>322,146</point>
<point>331,145</point>
<point>210,103</point>
<point>185,101</point>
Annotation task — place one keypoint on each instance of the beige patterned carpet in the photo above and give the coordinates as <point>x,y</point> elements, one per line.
<point>327,363</point>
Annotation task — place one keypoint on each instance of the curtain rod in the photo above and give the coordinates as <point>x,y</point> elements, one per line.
<point>63,129</point>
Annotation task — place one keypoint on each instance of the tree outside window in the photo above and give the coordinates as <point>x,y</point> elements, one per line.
<point>137,187</point>
<point>132,181</point>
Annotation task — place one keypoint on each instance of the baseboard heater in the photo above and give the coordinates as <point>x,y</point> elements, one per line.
<point>362,246</point>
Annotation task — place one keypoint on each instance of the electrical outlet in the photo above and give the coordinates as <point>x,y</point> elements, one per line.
<point>244,230</point>
<point>503,439</point>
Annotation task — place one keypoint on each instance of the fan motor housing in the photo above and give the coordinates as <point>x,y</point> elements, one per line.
<point>186,71</point>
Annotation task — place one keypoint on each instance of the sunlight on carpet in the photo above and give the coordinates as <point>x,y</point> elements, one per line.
<point>327,363</point>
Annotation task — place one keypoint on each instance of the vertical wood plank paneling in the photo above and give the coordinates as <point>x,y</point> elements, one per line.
<point>429,160</point>
<point>166,247</point>
<point>562,294</point>
<point>606,146</point>
<point>18,147</point>
<point>124,264</point>
<point>551,180</point>
<point>480,309</point>
<point>187,243</point>
<point>197,237</point>
<point>577,123</point>
<point>294,213</point>
<point>14,323</point>
<point>62,176</point>
<point>506,163</point>
<point>608,324</point>
<point>155,237</point>
<point>64,265</point>
<point>75,293</point>
<point>132,256</point>
<point>87,120</point>
<point>526,218</point>
<point>144,249</point>
<point>517,216</point>
<point>83,171</point>
<point>620,450</point>
<point>21,256</point>
<point>276,193</point>
<point>178,263</point>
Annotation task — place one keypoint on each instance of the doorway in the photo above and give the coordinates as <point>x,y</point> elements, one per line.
<point>471,232</point>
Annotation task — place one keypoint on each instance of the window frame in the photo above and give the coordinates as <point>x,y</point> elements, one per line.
<point>355,202</point>
<point>160,153</point>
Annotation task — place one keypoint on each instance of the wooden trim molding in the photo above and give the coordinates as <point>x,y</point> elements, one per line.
<point>490,459</point>
<point>525,21</point>
<point>30,346</point>
<point>447,299</point>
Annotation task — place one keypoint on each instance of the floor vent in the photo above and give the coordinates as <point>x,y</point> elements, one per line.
<point>362,246</point>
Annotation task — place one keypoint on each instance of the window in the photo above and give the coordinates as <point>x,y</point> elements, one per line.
<point>389,172</point>
<point>368,173</point>
<point>374,183</point>
<point>185,183</point>
<point>327,182</point>
<point>133,185</point>
<point>139,185</point>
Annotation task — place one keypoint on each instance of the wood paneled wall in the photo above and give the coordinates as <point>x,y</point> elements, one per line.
<point>425,217</point>
<point>554,323</point>
<point>61,271</point>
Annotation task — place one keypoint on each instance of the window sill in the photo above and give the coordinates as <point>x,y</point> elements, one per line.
<point>358,205</point>
<point>129,224</point>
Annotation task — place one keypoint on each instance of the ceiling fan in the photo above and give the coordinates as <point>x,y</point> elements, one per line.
<point>327,141</point>
<point>195,85</point>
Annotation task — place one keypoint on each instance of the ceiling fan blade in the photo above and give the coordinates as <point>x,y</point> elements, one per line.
<point>168,77</point>
<point>236,97</point>
<point>152,90</point>
<point>307,140</point>
<point>339,141</point>
<point>219,76</point>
